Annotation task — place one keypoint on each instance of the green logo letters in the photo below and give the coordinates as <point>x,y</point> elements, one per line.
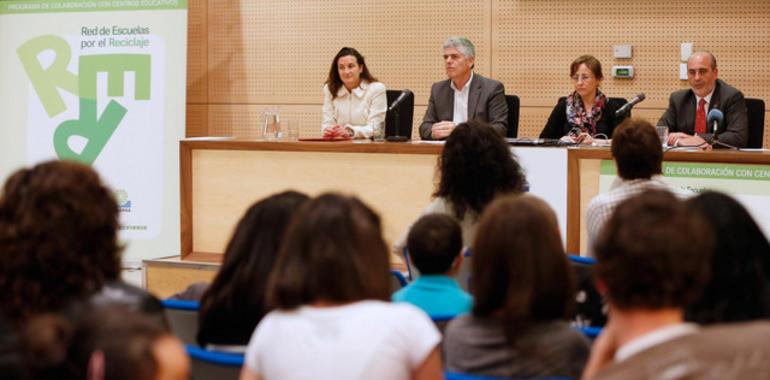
<point>94,128</point>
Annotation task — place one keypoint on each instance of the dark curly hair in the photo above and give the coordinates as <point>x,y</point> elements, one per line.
<point>58,237</point>
<point>653,253</point>
<point>475,166</point>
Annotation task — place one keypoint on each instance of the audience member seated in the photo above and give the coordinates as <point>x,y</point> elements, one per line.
<point>435,248</point>
<point>354,101</point>
<point>651,261</point>
<point>110,343</point>
<point>332,320</point>
<point>235,302</point>
<point>740,264</point>
<point>475,166</point>
<point>638,155</point>
<point>59,239</point>
<point>586,112</point>
<point>523,291</point>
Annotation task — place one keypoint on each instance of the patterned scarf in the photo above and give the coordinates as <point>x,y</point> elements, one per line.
<point>577,115</point>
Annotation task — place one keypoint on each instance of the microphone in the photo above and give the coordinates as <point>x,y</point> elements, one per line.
<point>394,109</point>
<point>627,107</point>
<point>404,94</point>
<point>714,117</point>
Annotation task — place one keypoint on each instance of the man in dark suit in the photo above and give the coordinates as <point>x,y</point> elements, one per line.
<point>464,96</point>
<point>688,109</point>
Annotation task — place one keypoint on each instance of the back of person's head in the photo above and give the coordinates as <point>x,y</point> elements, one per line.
<point>434,242</point>
<point>250,256</point>
<point>112,343</point>
<point>332,252</point>
<point>637,149</point>
<point>653,253</point>
<point>475,166</point>
<point>58,237</point>
<point>520,271</point>
<point>737,290</point>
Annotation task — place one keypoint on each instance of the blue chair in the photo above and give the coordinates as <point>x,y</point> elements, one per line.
<point>582,260</point>
<point>466,376</point>
<point>182,317</point>
<point>590,331</point>
<point>398,280</point>
<point>208,365</point>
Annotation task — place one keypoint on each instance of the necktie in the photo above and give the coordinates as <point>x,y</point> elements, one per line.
<point>700,117</point>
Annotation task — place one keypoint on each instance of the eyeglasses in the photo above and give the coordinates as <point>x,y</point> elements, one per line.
<point>584,78</point>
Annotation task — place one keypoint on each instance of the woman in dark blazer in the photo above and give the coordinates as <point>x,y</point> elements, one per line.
<point>586,113</point>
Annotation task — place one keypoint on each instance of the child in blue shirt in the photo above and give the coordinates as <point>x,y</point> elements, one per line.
<point>435,245</point>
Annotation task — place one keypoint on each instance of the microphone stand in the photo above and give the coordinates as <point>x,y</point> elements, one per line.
<point>397,122</point>
<point>717,142</point>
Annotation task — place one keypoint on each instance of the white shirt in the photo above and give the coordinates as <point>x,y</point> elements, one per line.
<point>653,339</point>
<point>361,340</point>
<point>461,101</point>
<point>601,206</point>
<point>359,110</point>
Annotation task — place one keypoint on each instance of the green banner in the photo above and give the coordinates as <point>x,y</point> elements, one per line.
<point>54,6</point>
<point>704,170</point>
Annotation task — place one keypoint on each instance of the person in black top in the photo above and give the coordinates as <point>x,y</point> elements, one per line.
<point>586,113</point>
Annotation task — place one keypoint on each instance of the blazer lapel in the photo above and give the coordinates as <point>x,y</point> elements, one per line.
<point>474,92</point>
<point>715,99</point>
<point>688,111</point>
<point>448,98</point>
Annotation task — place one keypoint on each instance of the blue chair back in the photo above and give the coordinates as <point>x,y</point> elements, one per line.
<point>582,260</point>
<point>182,316</point>
<point>466,376</point>
<point>398,280</point>
<point>590,331</point>
<point>215,365</point>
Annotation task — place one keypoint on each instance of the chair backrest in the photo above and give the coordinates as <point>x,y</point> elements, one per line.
<point>405,115</point>
<point>589,306</point>
<point>590,331</point>
<point>513,115</point>
<point>182,316</point>
<point>207,365</point>
<point>756,114</point>
<point>397,280</point>
<point>441,321</point>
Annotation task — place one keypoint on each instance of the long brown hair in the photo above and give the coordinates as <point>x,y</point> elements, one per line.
<point>333,251</point>
<point>335,82</point>
<point>520,271</point>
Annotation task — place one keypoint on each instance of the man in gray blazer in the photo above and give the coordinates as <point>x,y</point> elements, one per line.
<point>688,109</point>
<point>464,96</point>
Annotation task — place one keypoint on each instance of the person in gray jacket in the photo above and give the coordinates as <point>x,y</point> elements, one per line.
<point>464,96</point>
